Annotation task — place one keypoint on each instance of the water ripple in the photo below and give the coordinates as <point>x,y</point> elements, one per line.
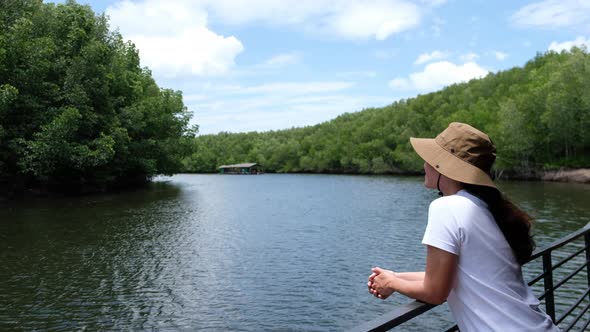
<point>212,253</point>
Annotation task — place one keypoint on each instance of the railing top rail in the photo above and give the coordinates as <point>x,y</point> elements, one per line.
<point>558,243</point>
<point>394,318</point>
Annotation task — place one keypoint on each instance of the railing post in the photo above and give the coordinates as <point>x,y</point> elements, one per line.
<point>548,283</point>
<point>587,244</point>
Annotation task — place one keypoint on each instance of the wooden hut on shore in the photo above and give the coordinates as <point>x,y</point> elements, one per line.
<point>245,168</point>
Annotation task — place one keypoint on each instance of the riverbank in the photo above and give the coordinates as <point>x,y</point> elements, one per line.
<point>564,175</point>
<point>579,175</point>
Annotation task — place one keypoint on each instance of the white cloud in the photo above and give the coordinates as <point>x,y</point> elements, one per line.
<point>273,106</point>
<point>197,51</point>
<point>553,14</point>
<point>174,38</point>
<point>154,17</point>
<point>271,66</point>
<point>378,19</point>
<point>284,59</point>
<point>282,88</point>
<point>500,55</point>
<point>237,12</point>
<point>185,46</point>
<point>272,112</point>
<point>438,75</point>
<point>567,45</point>
<point>469,57</point>
<point>434,3</point>
<point>298,88</point>
<point>400,83</point>
<point>427,57</point>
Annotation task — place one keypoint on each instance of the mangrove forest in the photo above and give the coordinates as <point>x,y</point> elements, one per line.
<point>538,116</point>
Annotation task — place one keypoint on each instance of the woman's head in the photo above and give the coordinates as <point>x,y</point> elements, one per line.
<point>431,176</point>
<point>435,180</point>
<point>461,153</point>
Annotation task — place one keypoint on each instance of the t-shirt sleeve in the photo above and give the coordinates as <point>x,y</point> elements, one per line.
<point>442,230</point>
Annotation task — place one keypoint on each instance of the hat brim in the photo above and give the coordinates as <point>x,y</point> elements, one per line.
<point>448,164</point>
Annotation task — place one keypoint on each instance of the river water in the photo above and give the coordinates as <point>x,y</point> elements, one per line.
<point>239,253</point>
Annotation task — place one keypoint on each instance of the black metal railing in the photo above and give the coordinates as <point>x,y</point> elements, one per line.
<point>416,308</point>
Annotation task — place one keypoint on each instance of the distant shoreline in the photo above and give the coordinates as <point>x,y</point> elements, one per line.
<point>566,175</point>
<point>577,175</point>
<point>580,175</point>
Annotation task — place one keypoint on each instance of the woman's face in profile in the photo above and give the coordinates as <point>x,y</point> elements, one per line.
<point>430,176</point>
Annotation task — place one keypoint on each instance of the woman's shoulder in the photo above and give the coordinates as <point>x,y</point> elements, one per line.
<point>455,205</point>
<point>451,201</point>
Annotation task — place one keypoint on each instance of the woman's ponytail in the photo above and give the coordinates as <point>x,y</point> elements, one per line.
<point>514,223</point>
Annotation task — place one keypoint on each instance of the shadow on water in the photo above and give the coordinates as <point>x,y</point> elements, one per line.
<point>558,208</point>
<point>71,262</point>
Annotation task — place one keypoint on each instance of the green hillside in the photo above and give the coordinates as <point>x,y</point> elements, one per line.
<point>538,116</point>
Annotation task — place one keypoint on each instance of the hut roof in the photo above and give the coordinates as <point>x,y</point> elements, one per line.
<point>244,165</point>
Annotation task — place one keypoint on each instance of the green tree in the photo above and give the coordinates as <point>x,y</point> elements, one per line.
<point>77,112</point>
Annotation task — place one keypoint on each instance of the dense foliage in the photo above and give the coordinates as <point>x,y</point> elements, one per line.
<point>77,112</point>
<point>538,116</point>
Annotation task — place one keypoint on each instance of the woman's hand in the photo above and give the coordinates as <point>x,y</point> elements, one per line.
<point>380,282</point>
<point>432,286</point>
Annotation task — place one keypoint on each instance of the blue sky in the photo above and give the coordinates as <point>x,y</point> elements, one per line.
<point>258,65</point>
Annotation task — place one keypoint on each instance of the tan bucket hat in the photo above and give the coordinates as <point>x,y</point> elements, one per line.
<point>460,152</point>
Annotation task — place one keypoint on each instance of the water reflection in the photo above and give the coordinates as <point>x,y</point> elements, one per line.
<point>558,208</point>
<point>288,252</point>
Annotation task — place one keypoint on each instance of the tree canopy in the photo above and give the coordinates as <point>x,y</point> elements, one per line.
<point>77,111</point>
<point>537,115</point>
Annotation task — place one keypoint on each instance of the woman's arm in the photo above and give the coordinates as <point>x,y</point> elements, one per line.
<point>433,288</point>
<point>410,276</point>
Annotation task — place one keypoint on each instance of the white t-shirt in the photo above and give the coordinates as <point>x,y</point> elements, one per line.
<point>489,293</point>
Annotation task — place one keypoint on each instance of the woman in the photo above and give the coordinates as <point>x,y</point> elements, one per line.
<point>476,241</point>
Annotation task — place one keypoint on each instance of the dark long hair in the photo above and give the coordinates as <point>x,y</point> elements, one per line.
<point>514,223</point>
